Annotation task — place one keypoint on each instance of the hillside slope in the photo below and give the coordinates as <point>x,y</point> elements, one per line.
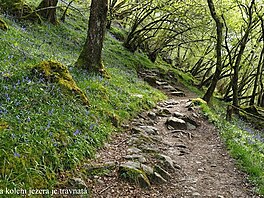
<point>44,131</point>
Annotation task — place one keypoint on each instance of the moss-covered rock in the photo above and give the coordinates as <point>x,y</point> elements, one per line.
<point>3,25</point>
<point>3,125</point>
<point>132,172</point>
<point>55,72</point>
<point>198,101</point>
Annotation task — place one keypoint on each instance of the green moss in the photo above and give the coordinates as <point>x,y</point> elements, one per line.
<point>3,25</point>
<point>55,72</point>
<point>136,176</point>
<point>198,101</point>
<point>3,125</point>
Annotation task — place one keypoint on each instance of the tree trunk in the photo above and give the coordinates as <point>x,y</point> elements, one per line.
<point>90,57</point>
<point>239,58</point>
<point>219,30</point>
<point>47,9</point>
<point>260,66</point>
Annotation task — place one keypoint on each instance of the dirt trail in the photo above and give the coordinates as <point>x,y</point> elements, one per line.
<point>204,168</point>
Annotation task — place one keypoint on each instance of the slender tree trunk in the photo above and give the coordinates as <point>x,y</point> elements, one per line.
<point>91,54</point>
<point>48,10</point>
<point>219,30</point>
<point>260,66</point>
<point>239,58</point>
<point>256,81</point>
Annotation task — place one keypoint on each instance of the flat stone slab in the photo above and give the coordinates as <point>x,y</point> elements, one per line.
<point>176,123</point>
<point>177,93</point>
<point>150,130</point>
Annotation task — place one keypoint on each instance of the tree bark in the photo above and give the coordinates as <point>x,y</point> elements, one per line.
<point>260,66</point>
<point>90,57</point>
<point>239,58</point>
<point>50,12</point>
<point>219,30</point>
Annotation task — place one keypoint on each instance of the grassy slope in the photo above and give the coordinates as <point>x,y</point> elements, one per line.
<point>44,132</point>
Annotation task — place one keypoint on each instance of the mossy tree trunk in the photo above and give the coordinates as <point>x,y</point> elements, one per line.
<point>47,9</point>
<point>91,54</point>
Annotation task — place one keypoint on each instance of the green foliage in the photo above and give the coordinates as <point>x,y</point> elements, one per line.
<point>45,132</point>
<point>118,33</point>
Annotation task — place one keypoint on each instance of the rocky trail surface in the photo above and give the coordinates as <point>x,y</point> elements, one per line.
<point>169,151</point>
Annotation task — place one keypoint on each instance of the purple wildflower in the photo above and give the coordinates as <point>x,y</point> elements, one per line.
<point>16,154</point>
<point>77,132</point>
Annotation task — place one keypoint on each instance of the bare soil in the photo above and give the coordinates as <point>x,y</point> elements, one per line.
<point>206,169</point>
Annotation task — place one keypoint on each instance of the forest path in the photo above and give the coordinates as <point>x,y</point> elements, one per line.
<point>202,165</point>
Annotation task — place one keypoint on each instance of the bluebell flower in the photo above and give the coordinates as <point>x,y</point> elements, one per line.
<point>51,111</point>
<point>48,126</point>
<point>77,132</point>
<point>91,126</point>
<point>28,119</point>
<point>16,154</point>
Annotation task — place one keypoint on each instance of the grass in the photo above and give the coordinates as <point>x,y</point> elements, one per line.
<point>44,132</point>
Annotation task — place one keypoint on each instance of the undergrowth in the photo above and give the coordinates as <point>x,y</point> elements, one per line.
<point>44,132</point>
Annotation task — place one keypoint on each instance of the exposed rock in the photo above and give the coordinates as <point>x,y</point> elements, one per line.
<point>77,183</point>
<point>178,115</point>
<point>187,119</point>
<point>132,172</point>
<point>150,150</point>
<point>133,150</point>
<point>177,93</point>
<point>170,106</point>
<point>196,194</point>
<point>93,169</point>
<point>162,172</point>
<point>178,131</point>
<point>190,126</point>
<point>147,169</point>
<point>169,88</point>
<point>133,157</point>
<point>163,112</point>
<point>171,102</point>
<point>190,120</point>
<point>150,130</point>
<point>176,123</point>
<point>132,141</point>
<point>152,115</point>
<point>157,178</point>
<point>137,130</point>
<point>167,161</point>
<point>161,83</point>
<point>180,145</point>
